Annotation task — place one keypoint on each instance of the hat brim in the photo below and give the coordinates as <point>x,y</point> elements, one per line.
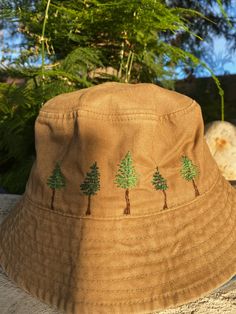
<point>128,264</point>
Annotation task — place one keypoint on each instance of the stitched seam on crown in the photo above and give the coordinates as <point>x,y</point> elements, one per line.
<point>147,288</point>
<point>85,92</point>
<point>131,238</point>
<point>54,115</point>
<point>121,217</point>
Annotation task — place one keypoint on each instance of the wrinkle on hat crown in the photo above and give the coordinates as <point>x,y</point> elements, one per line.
<point>125,209</point>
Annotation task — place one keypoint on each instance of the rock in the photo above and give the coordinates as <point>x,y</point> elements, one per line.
<point>221,139</point>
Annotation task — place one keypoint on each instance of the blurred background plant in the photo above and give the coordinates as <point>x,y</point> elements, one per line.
<point>53,47</point>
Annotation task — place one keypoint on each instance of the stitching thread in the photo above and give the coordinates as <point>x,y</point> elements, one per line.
<point>76,111</point>
<point>144,300</point>
<point>152,250</point>
<point>121,217</point>
<point>147,288</point>
<point>131,277</point>
<point>182,290</point>
<point>45,217</point>
<point>130,238</point>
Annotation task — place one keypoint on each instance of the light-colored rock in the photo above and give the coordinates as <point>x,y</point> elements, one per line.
<point>7,202</point>
<point>220,301</point>
<point>221,139</point>
<point>14,300</point>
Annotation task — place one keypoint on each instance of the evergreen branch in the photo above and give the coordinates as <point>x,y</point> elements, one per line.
<point>126,176</point>
<point>223,12</point>
<point>91,183</point>
<point>83,56</point>
<point>57,179</point>
<point>192,13</point>
<point>19,71</point>
<point>65,9</point>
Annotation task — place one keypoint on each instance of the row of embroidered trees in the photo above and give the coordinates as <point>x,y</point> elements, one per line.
<point>125,178</point>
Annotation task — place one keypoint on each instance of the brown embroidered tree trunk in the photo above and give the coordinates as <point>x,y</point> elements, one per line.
<point>88,212</point>
<point>165,204</point>
<point>195,188</point>
<point>52,200</point>
<point>127,209</point>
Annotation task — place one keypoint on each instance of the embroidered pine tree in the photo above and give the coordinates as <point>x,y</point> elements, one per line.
<point>126,178</point>
<point>56,182</point>
<point>159,183</point>
<point>189,172</point>
<point>91,184</point>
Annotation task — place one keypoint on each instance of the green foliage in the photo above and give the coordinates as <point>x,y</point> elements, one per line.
<point>17,116</point>
<point>189,171</point>
<point>57,179</point>
<point>19,107</point>
<point>126,176</point>
<point>158,181</point>
<point>66,43</point>
<point>128,39</point>
<point>91,184</point>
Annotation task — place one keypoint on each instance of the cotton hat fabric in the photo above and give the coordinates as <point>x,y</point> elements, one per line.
<point>125,209</point>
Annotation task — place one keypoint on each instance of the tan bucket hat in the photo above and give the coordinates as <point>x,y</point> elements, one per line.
<point>125,210</point>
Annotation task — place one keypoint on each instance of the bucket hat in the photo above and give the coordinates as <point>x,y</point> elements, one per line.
<point>125,209</point>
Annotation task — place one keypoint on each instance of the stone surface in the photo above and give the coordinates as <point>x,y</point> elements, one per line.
<point>223,300</point>
<point>221,139</point>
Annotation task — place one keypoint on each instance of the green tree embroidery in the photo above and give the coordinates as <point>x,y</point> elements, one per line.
<point>159,183</point>
<point>189,172</point>
<point>91,184</point>
<point>126,178</point>
<point>56,182</point>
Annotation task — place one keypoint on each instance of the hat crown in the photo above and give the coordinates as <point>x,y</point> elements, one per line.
<point>116,149</point>
<point>117,98</point>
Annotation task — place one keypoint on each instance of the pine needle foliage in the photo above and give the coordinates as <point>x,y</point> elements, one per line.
<point>91,184</point>
<point>57,180</point>
<point>189,171</point>
<point>126,176</point>
<point>159,182</point>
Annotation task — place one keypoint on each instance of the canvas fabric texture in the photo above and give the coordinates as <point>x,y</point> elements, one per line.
<point>125,210</point>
